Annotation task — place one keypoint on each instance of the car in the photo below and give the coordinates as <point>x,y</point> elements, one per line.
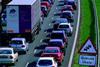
<point>71,2</point>
<point>50,1</point>
<point>67,27</point>
<point>59,34</point>
<point>53,52</point>
<point>19,44</point>
<point>46,62</point>
<point>44,10</point>
<point>58,43</point>
<point>57,21</point>
<point>67,14</point>
<point>67,7</point>
<point>45,3</point>
<point>8,55</point>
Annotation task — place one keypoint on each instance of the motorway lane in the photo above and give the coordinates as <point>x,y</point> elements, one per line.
<point>34,53</point>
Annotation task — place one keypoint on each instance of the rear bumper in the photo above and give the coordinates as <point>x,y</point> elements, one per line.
<point>20,50</point>
<point>7,61</point>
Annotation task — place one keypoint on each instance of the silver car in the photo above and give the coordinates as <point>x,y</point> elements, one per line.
<point>19,44</point>
<point>8,55</point>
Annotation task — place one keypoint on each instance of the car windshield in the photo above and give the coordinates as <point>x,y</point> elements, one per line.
<point>64,26</point>
<point>56,35</point>
<point>5,52</point>
<point>16,42</point>
<point>51,51</point>
<point>70,3</point>
<point>64,15</point>
<point>43,8</point>
<point>45,62</point>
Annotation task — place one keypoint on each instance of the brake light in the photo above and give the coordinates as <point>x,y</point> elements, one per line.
<point>62,46</point>
<point>65,39</point>
<point>11,57</point>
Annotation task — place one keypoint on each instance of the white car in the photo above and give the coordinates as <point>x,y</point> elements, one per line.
<point>19,44</point>
<point>67,27</point>
<point>8,55</point>
<point>46,62</point>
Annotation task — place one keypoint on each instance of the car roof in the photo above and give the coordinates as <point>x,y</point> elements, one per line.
<point>67,6</point>
<point>70,0</point>
<point>64,24</point>
<point>43,58</point>
<point>61,20</point>
<point>57,31</point>
<point>18,39</point>
<point>51,47</point>
<point>53,40</point>
<point>67,11</point>
<point>8,48</point>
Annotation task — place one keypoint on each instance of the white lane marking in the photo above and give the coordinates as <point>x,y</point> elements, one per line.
<point>35,51</point>
<point>27,64</point>
<point>75,39</point>
<point>41,40</point>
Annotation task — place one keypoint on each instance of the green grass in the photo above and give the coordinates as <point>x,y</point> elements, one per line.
<point>85,29</point>
<point>98,11</point>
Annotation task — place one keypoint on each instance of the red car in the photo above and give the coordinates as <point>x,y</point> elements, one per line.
<point>46,4</point>
<point>53,52</point>
<point>67,7</point>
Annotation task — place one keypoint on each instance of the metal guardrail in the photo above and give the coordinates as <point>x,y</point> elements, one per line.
<point>96,30</point>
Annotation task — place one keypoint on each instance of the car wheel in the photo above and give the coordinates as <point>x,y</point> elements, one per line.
<point>17,60</point>
<point>59,63</point>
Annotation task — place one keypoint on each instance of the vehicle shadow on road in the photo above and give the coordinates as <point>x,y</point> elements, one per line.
<point>46,40</point>
<point>33,64</point>
<point>38,54</point>
<point>48,30</point>
<point>40,47</point>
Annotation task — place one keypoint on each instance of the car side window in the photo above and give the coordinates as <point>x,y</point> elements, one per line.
<point>14,51</point>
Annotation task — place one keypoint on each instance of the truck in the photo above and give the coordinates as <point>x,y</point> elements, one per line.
<point>23,18</point>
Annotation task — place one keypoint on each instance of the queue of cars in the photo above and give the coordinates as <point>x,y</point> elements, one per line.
<point>58,37</point>
<point>54,52</point>
<point>46,6</point>
<point>9,55</point>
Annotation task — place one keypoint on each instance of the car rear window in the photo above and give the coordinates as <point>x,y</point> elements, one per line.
<point>51,51</point>
<point>64,26</point>
<point>45,62</point>
<point>57,35</point>
<point>16,42</point>
<point>55,43</point>
<point>5,52</point>
<point>70,3</point>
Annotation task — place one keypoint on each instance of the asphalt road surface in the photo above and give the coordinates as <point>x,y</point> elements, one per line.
<point>38,46</point>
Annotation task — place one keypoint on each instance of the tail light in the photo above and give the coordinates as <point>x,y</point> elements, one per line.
<point>62,46</point>
<point>65,39</point>
<point>11,57</point>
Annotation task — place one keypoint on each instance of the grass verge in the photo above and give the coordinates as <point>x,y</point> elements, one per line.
<point>98,11</point>
<point>87,29</point>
